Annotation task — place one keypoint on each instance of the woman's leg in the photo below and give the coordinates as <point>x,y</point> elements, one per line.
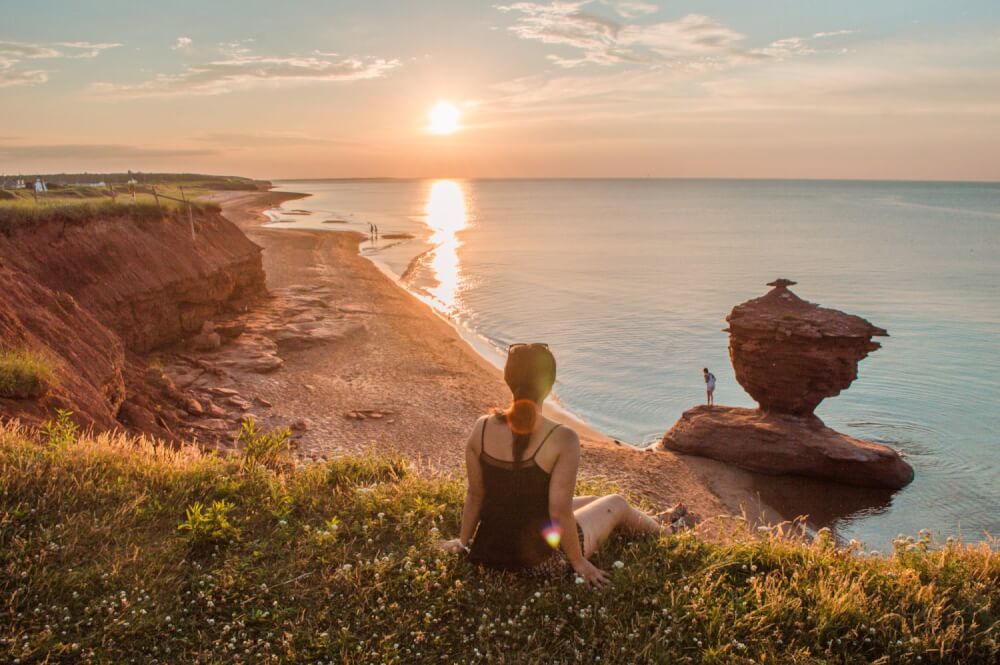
<point>600,517</point>
<point>581,501</point>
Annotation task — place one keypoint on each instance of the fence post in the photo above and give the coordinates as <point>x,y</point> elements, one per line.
<point>157,200</point>
<point>112,190</point>
<point>190,212</point>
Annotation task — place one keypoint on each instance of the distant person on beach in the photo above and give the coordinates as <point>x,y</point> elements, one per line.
<point>709,385</point>
<point>520,514</point>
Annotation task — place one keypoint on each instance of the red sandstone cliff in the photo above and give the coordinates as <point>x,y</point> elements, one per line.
<point>90,293</point>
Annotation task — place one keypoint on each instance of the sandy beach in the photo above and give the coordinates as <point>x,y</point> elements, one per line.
<point>424,382</point>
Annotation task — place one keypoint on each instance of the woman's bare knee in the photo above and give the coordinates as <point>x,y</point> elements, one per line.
<point>614,503</point>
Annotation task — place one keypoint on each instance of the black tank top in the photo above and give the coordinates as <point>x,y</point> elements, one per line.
<point>515,511</point>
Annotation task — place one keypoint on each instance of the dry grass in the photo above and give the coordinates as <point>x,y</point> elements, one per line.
<point>25,374</point>
<point>104,559</point>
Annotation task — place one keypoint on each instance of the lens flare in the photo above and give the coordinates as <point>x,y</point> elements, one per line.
<point>552,535</point>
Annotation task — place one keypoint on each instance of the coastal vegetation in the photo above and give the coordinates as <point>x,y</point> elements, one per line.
<point>72,210</point>
<point>117,549</point>
<point>76,202</point>
<point>25,373</point>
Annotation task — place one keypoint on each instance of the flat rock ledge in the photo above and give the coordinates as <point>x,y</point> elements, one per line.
<point>775,444</point>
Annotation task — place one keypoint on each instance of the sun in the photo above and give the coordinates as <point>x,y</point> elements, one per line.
<point>444,118</point>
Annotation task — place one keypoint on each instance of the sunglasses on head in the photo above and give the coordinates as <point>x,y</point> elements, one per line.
<point>517,344</point>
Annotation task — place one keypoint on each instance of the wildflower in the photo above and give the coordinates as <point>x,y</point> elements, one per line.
<point>578,580</point>
<point>619,564</point>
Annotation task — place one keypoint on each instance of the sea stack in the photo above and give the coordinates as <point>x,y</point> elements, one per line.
<point>790,355</point>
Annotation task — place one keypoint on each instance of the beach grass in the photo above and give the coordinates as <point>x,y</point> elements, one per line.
<point>26,213</point>
<point>25,374</point>
<point>120,550</point>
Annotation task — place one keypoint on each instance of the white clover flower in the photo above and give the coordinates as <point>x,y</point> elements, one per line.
<point>578,580</point>
<point>619,564</point>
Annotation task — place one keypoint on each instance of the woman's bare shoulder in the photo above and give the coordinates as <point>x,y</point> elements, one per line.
<point>566,438</point>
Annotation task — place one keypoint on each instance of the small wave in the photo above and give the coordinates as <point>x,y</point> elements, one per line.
<point>902,203</point>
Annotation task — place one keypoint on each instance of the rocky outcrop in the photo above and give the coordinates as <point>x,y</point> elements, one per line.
<point>790,354</point>
<point>95,294</point>
<point>776,443</point>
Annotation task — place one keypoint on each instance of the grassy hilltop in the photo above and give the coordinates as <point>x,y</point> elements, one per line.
<point>117,550</point>
<point>73,201</point>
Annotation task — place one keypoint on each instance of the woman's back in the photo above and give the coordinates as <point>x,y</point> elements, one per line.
<point>515,509</point>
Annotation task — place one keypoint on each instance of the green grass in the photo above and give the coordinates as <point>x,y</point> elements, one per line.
<point>117,550</point>
<point>25,374</point>
<point>20,215</point>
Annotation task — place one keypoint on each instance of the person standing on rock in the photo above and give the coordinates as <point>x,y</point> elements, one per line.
<point>709,386</point>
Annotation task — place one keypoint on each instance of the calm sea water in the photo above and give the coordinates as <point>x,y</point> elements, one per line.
<point>630,281</point>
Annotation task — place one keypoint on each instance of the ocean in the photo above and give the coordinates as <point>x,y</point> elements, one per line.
<point>630,282</point>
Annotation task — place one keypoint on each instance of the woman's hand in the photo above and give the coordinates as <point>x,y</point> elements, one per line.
<point>591,574</point>
<point>453,546</point>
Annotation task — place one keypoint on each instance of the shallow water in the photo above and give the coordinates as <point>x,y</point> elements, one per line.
<point>630,281</point>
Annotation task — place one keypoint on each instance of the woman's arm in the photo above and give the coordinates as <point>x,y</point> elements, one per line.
<point>562,486</point>
<point>474,493</point>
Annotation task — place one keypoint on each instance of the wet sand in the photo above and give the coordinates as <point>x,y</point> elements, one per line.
<point>428,385</point>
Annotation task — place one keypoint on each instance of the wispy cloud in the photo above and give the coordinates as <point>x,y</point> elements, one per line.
<point>265,139</point>
<point>633,8</point>
<point>21,50</point>
<point>84,49</point>
<point>12,54</point>
<point>694,39</point>
<point>10,76</point>
<point>239,69</point>
<point>67,151</point>
<point>182,44</point>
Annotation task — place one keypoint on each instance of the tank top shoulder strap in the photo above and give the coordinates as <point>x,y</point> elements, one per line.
<point>542,444</point>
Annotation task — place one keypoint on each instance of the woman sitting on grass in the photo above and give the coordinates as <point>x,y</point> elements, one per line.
<point>522,473</point>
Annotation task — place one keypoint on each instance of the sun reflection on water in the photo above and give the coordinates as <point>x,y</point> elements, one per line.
<point>447,214</point>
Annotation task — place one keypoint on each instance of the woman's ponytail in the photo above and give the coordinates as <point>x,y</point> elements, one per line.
<point>521,417</point>
<point>530,372</point>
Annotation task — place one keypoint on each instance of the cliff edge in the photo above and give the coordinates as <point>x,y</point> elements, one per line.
<point>91,295</point>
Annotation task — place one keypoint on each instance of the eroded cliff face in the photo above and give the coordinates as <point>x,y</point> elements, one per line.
<point>790,354</point>
<point>145,279</point>
<point>89,358</point>
<point>95,294</point>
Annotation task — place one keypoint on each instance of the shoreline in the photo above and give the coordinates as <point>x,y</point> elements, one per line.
<point>554,407</point>
<point>469,383</point>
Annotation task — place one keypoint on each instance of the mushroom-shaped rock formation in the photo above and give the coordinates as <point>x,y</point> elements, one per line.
<point>790,354</point>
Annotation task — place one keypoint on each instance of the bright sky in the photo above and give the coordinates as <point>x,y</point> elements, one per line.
<point>891,89</point>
